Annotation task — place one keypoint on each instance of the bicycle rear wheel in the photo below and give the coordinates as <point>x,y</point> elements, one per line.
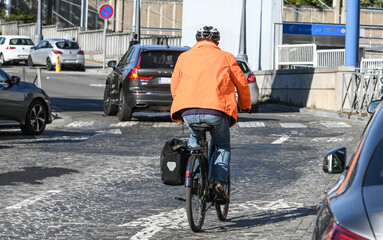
<point>195,204</point>
<point>223,209</point>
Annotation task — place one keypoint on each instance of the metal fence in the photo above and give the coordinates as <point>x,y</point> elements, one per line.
<point>90,41</point>
<point>370,65</point>
<point>307,55</point>
<point>360,90</point>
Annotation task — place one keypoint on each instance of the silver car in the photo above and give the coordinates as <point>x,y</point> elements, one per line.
<point>252,81</point>
<point>47,52</point>
<point>353,209</point>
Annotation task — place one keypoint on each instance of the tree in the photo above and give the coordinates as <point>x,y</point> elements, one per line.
<point>17,14</point>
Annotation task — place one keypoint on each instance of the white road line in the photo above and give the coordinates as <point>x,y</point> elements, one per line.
<point>292,125</point>
<point>177,219</point>
<point>335,124</point>
<point>166,124</point>
<point>97,85</point>
<point>124,124</point>
<point>251,124</point>
<point>281,140</point>
<point>33,200</point>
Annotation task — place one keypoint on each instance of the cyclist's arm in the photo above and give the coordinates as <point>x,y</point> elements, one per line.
<point>176,77</point>
<point>240,82</point>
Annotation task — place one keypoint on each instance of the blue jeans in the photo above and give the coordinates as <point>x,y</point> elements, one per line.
<point>220,143</point>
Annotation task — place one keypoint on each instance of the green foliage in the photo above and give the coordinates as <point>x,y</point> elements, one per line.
<point>17,14</point>
<point>372,3</point>
<point>309,2</point>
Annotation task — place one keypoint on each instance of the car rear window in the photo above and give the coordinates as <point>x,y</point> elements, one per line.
<point>67,45</point>
<point>20,41</point>
<point>159,59</point>
<point>374,174</point>
<point>243,66</point>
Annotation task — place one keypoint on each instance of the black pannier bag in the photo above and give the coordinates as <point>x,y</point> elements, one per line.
<point>173,161</point>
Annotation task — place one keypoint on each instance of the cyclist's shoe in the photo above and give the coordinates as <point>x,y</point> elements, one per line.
<point>222,196</point>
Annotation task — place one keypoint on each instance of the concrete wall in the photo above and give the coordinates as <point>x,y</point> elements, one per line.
<point>322,88</point>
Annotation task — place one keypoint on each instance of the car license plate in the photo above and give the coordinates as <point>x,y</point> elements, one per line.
<point>164,80</point>
<point>23,56</point>
<point>70,61</point>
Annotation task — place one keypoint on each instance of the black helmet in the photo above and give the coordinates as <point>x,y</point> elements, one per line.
<point>208,33</point>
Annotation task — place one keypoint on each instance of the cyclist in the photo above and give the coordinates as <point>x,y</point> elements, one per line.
<point>203,89</point>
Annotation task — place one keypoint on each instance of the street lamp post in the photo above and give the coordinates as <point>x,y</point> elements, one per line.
<point>39,35</point>
<point>242,37</point>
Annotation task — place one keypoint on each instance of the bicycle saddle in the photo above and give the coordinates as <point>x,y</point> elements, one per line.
<point>201,126</point>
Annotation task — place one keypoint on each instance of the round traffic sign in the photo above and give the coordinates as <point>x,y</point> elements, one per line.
<point>106,11</point>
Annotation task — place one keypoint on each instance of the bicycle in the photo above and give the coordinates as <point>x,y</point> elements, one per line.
<point>199,185</point>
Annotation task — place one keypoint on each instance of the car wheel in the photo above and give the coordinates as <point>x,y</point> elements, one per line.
<point>36,119</point>
<point>50,66</point>
<point>124,112</point>
<point>2,60</point>
<point>30,62</point>
<point>109,108</point>
<point>254,108</point>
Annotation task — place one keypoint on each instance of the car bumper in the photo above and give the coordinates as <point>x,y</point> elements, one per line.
<point>254,93</point>
<point>150,100</point>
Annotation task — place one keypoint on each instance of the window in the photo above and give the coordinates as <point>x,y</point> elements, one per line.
<point>159,59</point>
<point>127,56</point>
<point>67,45</point>
<point>2,40</point>
<point>41,44</point>
<point>20,41</point>
<point>243,66</point>
<point>374,174</point>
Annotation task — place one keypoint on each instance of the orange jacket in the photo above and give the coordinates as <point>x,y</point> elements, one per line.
<point>206,77</point>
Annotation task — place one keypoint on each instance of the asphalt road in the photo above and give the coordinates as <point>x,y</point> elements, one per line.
<point>91,177</point>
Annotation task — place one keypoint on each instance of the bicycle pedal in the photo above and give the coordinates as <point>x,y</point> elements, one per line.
<point>180,199</point>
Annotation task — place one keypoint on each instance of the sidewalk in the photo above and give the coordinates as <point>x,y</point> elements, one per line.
<point>96,68</point>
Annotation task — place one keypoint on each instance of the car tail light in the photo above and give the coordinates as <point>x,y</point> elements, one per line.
<point>57,52</point>
<point>81,52</point>
<point>336,232</point>
<point>134,73</point>
<point>251,78</point>
<point>10,48</point>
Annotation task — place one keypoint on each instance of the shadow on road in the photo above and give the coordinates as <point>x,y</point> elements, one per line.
<point>32,175</point>
<point>77,104</point>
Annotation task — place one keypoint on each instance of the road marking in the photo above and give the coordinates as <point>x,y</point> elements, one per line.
<point>176,219</point>
<point>114,131</point>
<point>335,124</point>
<point>124,124</point>
<point>251,124</point>
<point>166,124</point>
<point>281,140</point>
<point>327,139</point>
<point>33,200</point>
<point>292,125</point>
<point>97,85</point>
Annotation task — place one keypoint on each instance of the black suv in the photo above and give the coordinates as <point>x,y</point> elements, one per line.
<point>141,80</point>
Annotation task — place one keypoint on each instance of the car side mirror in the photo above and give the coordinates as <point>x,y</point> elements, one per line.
<point>335,161</point>
<point>15,80</point>
<point>372,106</point>
<point>112,64</point>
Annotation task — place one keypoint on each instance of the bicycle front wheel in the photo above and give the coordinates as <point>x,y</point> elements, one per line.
<point>223,209</point>
<point>195,203</point>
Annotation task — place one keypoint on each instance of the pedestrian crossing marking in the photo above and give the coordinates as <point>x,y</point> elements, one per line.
<point>335,124</point>
<point>124,124</point>
<point>292,125</point>
<point>251,124</point>
<point>166,124</point>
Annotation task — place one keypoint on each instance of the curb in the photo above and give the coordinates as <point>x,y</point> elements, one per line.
<point>321,113</point>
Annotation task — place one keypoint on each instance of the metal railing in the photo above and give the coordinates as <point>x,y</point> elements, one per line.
<point>368,65</point>
<point>360,90</point>
<point>91,42</point>
<point>307,55</point>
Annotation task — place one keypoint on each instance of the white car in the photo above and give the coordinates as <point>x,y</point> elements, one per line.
<point>47,51</point>
<point>14,48</point>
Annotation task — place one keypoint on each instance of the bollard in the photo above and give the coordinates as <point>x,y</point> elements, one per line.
<point>58,64</point>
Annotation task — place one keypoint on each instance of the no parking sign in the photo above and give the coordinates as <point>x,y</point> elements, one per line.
<point>106,11</point>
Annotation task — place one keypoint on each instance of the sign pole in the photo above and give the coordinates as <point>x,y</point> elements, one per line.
<point>104,52</point>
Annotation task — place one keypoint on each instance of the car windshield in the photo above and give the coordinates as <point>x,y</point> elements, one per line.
<point>243,66</point>
<point>67,45</point>
<point>20,41</point>
<point>159,59</point>
<point>374,174</point>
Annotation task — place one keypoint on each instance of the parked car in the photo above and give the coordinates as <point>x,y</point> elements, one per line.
<point>25,104</point>
<point>252,81</point>
<point>14,49</point>
<point>353,208</point>
<point>47,51</point>
<point>141,80</point>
